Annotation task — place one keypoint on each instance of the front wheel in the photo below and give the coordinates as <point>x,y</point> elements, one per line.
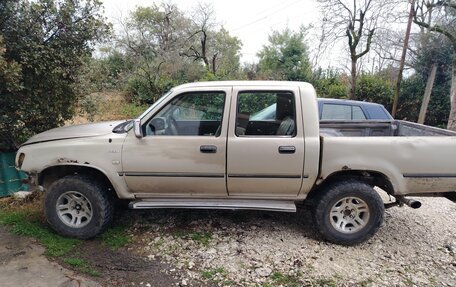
<point>78,206</point>
<point>348,212</point>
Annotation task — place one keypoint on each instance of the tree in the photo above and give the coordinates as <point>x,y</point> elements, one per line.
<point>44,42</point>
<point>356,21</point>
<point>330,84</point>
<point>285,57</point>
<point>215,48</point>
<point>167,48</point>
<point>442,15</point>
<point>397,91</point>
<point>373,88</point>
<point>151,41</point>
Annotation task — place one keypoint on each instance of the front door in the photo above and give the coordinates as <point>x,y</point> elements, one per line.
<point>183,151</point>
<point>265,143</point>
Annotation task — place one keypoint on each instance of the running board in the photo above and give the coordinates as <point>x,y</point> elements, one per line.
<point>268,205</point>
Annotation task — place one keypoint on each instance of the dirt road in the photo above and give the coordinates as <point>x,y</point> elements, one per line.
<point>22,263</point>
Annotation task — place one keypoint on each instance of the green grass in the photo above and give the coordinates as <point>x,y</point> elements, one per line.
<point>210,274</point>
<point>286,280</point>
<point>131,110</point>
<point>28,223</point>
<point>116,237</point>
<point>203,238</point>
<point>327,282</point>
<point>82,265</point>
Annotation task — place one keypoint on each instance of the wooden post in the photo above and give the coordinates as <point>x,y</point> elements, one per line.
<point>427,94</point>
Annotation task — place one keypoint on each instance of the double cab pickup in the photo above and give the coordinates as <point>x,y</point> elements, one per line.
<point>206,145</point>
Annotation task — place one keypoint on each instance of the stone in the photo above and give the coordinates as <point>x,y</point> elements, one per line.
<point>263,271</point>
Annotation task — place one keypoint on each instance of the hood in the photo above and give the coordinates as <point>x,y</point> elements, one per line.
<point>77,131</point>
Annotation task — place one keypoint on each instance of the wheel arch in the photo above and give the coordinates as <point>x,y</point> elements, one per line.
<point>52,173</point>
<point>372,178</point>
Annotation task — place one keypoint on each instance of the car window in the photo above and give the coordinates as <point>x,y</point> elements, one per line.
<point>336,112</point>
<point>189,114</point>
<point>262,113</point>
<point>357,113</point>
<point>377,112</point>
<point>342,112</point>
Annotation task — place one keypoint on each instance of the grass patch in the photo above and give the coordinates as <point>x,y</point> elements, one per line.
<point>131,110</point>
<point>203,238</point>
<point>210,274</point>
<point>327,282</point>
<point>286,280</point>
<point>116,237</point>
<point>82,265</point>
<point>29,223</point>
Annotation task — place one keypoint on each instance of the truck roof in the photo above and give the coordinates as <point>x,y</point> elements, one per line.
<point>244,83</point>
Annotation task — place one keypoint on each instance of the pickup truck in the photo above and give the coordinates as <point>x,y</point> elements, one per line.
<point>198,146</point>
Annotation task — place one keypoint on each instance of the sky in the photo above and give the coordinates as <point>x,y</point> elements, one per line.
<point>249,20</point>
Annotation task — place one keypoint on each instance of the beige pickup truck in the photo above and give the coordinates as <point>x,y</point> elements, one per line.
<point>206,145</point>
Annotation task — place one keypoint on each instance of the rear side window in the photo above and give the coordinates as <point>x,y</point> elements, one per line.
<point>357,113</point>
<point>262,113</point>
<point>377,112</point>
<point>341,112</point>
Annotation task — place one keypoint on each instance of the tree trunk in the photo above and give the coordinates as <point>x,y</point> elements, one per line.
<point>427,94</point>
<point>353,80</point>
<point>401,66</point>
<point>452,117</point>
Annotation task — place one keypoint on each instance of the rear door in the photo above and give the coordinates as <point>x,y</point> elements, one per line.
<point>265,154</point>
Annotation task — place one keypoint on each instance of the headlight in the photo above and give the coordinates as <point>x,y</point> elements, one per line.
<point>20,160</point>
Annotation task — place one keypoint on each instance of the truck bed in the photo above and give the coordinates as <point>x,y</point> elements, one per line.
<point>395,128</point>
<point>417,159</point>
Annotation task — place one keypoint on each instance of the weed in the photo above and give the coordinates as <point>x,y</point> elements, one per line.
<point>75,262</point>
<point>27,223</point>
<point>132,110</point>
<point>202,237</point>
<point>116,237</point>
<point>82,266</point>
<point>210,274</point>
<point>286,280</point>
<point>327,282</point>
<point>366,283</point>
<point>432,281</point>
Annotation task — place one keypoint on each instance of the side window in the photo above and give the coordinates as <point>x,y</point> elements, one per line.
<point>336,112</point>
<point>266,114</point>
<point>189,114</point>
<point>358,113</point>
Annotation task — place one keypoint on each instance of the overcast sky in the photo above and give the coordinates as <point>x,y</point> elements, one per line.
<point>250,20</point>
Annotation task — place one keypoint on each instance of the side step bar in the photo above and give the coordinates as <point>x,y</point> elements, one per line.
<point>268,205</point>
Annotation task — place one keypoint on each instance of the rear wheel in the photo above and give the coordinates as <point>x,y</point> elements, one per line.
<point>348,212</point>
<point>78,206</point>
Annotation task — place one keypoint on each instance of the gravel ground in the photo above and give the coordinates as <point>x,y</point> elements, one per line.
<point>253,248</point>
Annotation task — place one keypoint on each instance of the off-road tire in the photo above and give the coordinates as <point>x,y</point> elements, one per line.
<point>334,193</point>
<point>100,201</point>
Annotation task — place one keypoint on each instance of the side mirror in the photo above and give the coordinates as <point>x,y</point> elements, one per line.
<point>137,128</point>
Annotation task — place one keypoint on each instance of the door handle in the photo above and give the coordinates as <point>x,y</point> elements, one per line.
<point>208,149</point>
<point>287,149</point>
